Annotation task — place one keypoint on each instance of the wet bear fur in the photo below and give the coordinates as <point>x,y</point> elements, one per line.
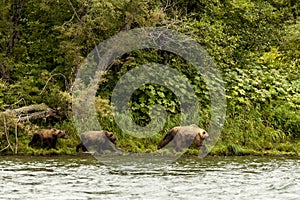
<point>97,140</point>
<point>182,136</point>
<point>47,138</point>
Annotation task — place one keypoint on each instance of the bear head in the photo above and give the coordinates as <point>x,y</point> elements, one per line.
<point>201,136</point>
<point>204,135</point>
<point>111,137</point>
<point>60,134</point>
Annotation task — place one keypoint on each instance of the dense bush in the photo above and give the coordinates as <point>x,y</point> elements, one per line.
<point>254,44</point>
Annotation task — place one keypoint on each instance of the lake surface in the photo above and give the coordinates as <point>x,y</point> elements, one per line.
<point>84,177</point>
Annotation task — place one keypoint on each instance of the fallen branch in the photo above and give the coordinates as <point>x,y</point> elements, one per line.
<point>14,118</point>
<point>27,109</point>
<point>31,112</point>
<point>36,115</point>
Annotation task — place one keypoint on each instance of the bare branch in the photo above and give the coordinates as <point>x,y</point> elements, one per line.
<point>16,138</point>
<point>74,11</point>
<point>28,113</point>
<point>37,115</point>
<point>58,74</point>
<point>27,109</point>
<point>7,135</point>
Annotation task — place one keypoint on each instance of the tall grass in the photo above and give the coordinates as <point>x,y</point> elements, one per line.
<point>273,130</point>
<point>249,133</point>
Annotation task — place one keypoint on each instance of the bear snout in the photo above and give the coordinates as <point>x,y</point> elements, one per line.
<point>113,139</point>
<point>207,139</point>
<point>63,135</point>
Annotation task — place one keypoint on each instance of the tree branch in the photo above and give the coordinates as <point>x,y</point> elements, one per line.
<point>6,135</point>
<point>28,113</point>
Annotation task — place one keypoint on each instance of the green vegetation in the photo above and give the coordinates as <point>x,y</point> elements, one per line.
<point>254,44</point>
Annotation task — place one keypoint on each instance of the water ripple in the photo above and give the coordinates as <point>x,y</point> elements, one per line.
<point>208,178</point>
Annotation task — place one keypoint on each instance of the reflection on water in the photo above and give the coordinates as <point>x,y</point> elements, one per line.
<point>190,178</point>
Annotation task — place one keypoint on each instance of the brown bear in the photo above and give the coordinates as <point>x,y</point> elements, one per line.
<point>97,140</point>
<point>183,136</point>
<point>47,138</point>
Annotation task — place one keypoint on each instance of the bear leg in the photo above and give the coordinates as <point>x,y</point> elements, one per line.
<point>34,140</point>
<point>168,137</point>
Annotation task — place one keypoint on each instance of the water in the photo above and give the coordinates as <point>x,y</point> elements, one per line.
<point>84,177</point>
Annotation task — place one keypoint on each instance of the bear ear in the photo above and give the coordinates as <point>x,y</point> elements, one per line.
<point>109,134</point>
<point>54,130</point>
<point>175,129</point>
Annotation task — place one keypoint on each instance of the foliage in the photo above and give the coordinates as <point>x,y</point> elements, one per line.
<point>255,45</point>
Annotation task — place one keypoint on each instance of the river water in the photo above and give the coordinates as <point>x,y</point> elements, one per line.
<point>84,177</point>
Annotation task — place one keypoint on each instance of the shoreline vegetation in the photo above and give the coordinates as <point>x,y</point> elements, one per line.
<point>254,44</point>
<point>188,154</point>
<point>286,147</point>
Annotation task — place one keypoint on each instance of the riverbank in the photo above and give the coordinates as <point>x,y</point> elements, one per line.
<point>217,150</point>
<point>242,135</point>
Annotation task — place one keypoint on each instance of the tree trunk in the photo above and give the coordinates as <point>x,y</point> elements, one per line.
<point>28,113</point>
